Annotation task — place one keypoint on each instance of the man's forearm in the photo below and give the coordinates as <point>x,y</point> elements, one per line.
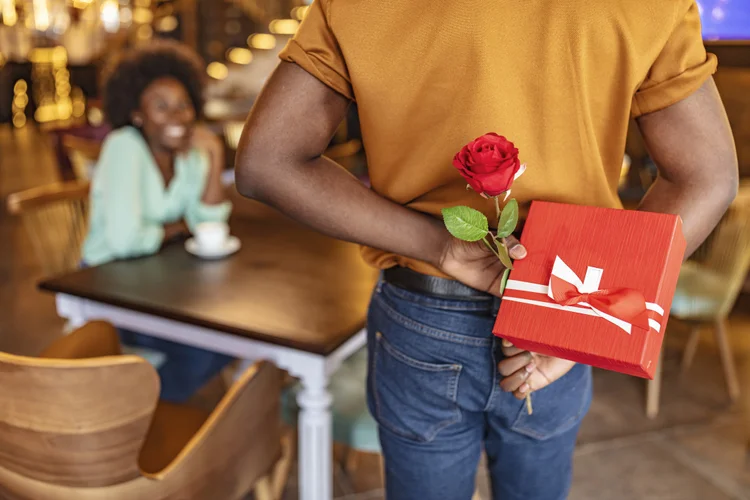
<point>692,145</point>
<point>324,196</point>
<point>699,206</point>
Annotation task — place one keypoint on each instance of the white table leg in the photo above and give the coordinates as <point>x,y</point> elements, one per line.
<point>71,309</point>
<point>315,443</point>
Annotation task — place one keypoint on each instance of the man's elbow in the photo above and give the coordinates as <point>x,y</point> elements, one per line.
<point>726,185</point>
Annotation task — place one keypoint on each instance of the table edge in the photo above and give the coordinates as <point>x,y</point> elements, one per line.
<point>49,285</point>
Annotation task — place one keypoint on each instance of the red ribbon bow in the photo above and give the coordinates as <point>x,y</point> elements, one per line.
<point>625,304</point>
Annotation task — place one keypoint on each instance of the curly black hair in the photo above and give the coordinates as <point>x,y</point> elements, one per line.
<point>127,78</point>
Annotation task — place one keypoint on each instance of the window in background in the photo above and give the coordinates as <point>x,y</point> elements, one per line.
<point>725,19</point>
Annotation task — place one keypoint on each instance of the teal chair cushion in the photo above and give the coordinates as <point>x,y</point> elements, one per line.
<point>352,423</point>
<point>700,293</point>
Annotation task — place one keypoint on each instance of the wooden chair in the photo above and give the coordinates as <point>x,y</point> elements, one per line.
<point>55,219</point>
<point>83,154</point>
<point>83,422</point>
<point>707,290</point>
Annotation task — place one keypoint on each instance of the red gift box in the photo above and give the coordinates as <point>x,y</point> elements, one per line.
<point>596,286</point>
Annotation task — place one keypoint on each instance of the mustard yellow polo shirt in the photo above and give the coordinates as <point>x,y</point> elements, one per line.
<point>560,78</point>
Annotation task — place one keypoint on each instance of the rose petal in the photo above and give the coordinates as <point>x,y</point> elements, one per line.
<point>520,172</point>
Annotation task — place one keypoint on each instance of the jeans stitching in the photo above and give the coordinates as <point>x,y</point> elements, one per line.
<point>415,363</point>
<point>433,431</point>
<point>430,331</point>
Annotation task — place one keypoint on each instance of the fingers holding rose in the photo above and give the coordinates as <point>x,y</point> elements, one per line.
<point>523,371</point>
<point>516,370</point>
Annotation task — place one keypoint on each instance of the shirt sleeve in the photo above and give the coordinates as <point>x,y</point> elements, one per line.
<point>680,69</point>
<point>197,211</point>
<point>120,176</point>
<point>315,49</point>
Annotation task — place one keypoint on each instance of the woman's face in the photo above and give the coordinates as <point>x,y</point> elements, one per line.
<point>166,114</point>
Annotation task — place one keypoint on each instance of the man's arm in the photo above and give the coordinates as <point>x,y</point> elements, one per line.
<point>692,146</point>
<point>279,162</point>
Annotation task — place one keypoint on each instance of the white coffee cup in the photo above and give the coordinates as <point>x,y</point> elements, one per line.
<point>211,235</point>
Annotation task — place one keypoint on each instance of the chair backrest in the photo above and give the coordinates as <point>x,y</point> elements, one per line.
<point>83,154</point>
<point>727,251</point>
<point>75,422</point>
<point>55,217</point>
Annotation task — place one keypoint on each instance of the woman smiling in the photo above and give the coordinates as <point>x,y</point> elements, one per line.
<point>158,176</point>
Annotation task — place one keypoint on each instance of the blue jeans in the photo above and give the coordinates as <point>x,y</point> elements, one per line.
<point>433,388</point>
<point>186,368</point>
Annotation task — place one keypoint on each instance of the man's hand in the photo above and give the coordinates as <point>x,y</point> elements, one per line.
<point>473,264</point>
<point>524,371</point>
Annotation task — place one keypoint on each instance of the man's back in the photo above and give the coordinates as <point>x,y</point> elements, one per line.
<point>559,78</point>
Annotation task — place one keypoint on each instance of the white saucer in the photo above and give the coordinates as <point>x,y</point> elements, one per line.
<point>231,245</point>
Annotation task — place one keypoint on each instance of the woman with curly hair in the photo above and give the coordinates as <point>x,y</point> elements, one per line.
<point>158,176</point>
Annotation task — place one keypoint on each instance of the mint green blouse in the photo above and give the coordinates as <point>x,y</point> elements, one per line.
<point>130,203</point>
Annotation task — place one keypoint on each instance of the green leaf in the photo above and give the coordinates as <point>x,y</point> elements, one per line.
<point>508,219</point>
<point>504,280</point>
<point>465,223</point>
<point>504,255</point>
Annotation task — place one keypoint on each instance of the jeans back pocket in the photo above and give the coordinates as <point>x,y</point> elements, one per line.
<point>559,407</point>
<point>413,399</point>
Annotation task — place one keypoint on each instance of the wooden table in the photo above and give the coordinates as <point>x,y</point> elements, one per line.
<point>289,295</point>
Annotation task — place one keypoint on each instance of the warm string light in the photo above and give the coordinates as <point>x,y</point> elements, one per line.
<point>261,41</point>
<point>239,55</point>
<point>283,26</point>
<point>300,12</point>
<point>166,24</point>
<point>144,32</point>
<point>217,70</point>
<point>8,10</point>
<point>20,101</point>
<point>79,102</point>
<point>110,15</point>
<point>52,80</point>
<point>41,14</point>
<point>142,15</point>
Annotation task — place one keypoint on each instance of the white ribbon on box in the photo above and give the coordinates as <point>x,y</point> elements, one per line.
<point>589,285</point>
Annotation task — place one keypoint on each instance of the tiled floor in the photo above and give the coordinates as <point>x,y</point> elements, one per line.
<point>695,449</point>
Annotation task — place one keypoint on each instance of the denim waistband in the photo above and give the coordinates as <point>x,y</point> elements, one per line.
<point>487,304</point>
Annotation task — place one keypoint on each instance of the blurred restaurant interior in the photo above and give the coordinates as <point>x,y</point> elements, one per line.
<point>685,435</point>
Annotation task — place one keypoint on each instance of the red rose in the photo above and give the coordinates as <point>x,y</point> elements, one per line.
<point>489,164</point>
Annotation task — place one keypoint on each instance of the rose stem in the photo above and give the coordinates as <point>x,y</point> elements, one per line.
<point>497,240</point>
<point>487,243</point>
<point>529,408</point>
